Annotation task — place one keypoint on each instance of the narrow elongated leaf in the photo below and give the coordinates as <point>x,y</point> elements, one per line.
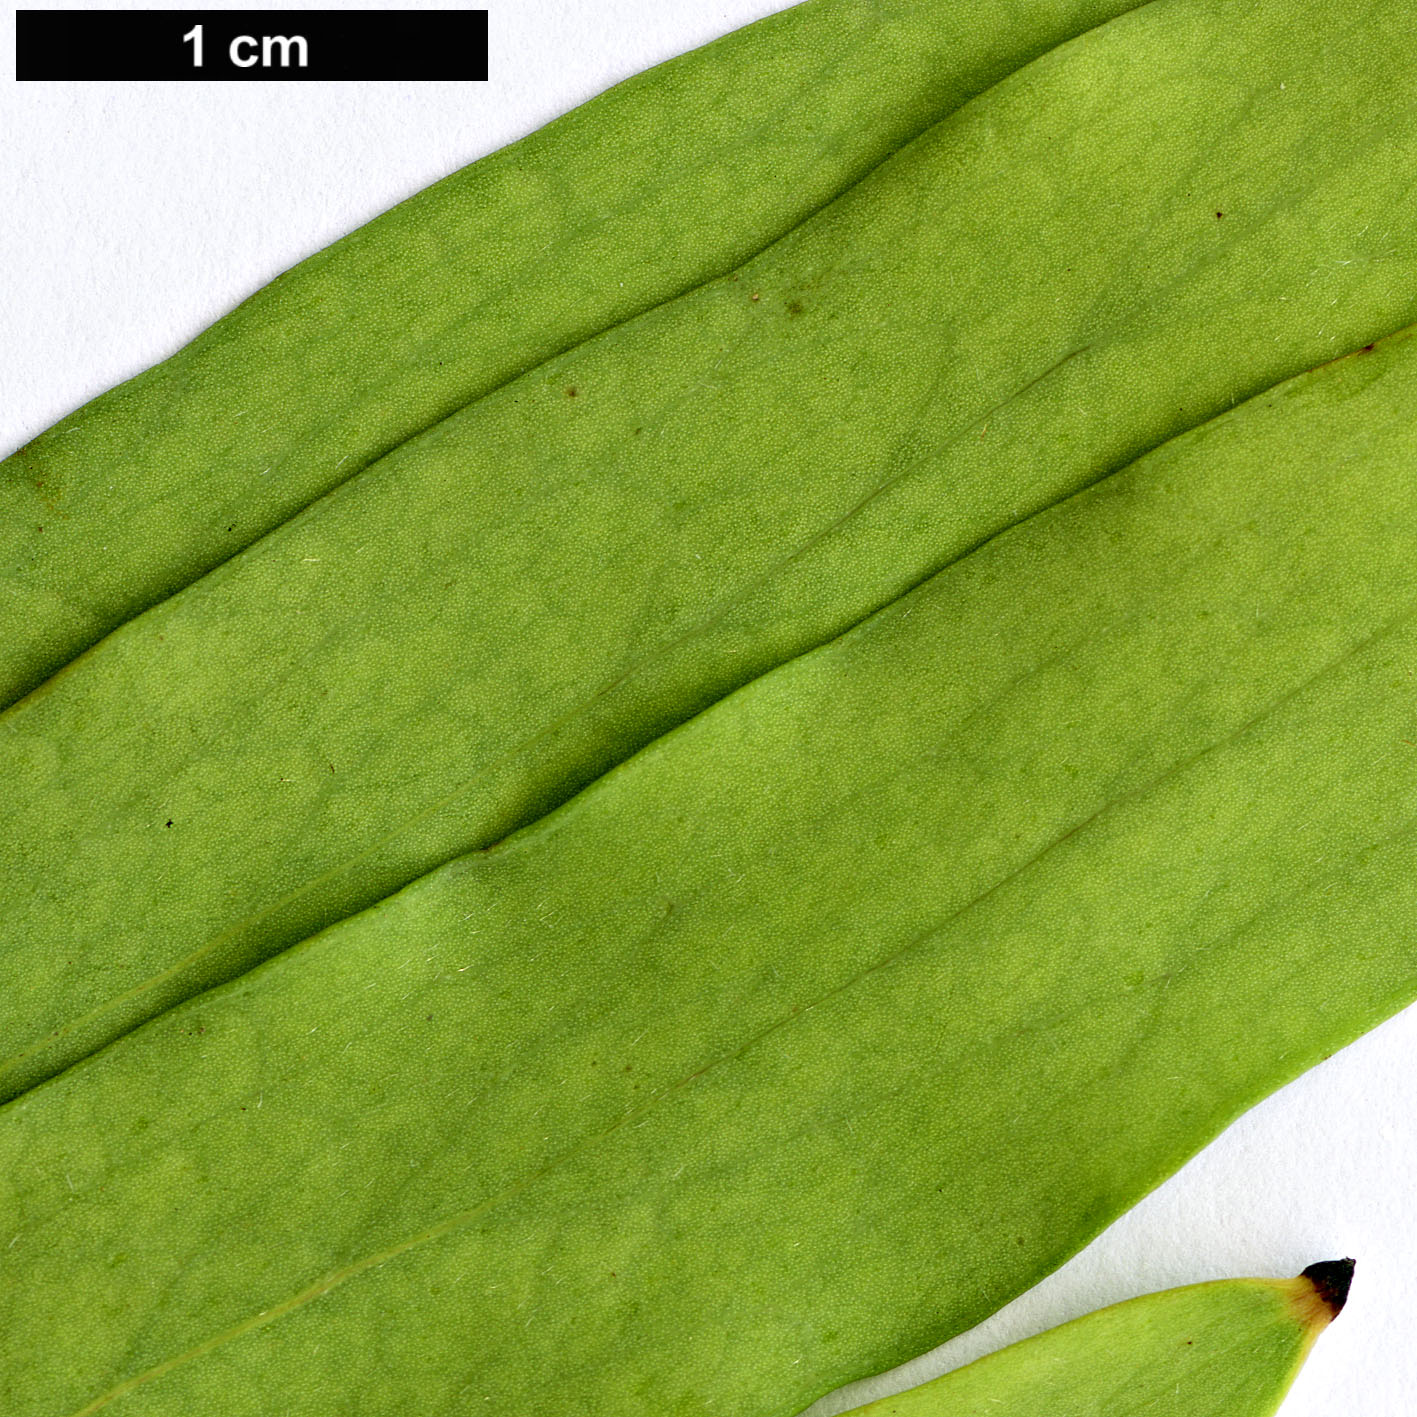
<point>662,183</point>
<point>818,1029</point>
<point>1067,271</point>
<point>1227,1349</point>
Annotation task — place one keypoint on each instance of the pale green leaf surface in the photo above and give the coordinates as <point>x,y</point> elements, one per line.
<point>815,1031</point>
<point>666,181</point>
<point>458,639</point>
<point>1227,1349</point>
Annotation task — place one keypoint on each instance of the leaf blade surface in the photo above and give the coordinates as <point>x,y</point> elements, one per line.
<point>935,948</point>
<point>670,179</point>
<point>467,633</point>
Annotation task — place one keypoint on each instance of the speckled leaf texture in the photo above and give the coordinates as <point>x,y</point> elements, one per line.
<point>1226,1349</point>
<point>711,869</point>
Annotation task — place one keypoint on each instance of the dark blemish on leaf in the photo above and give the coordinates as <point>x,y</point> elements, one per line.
<point>1218,215</point>
<point>1331,1280</point>
<point>638,431</point>
<point>39,528</point>
<point>794,307</point>
<point>430,1018</point>
<point>169,821</point>
<point>1367,349</point>
<point>571,393</point>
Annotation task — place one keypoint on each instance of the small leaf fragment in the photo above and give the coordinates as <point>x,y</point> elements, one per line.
<point>1231,1348</point>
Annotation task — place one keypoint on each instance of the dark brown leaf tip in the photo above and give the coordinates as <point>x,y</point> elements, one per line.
<point>1331,1280</point>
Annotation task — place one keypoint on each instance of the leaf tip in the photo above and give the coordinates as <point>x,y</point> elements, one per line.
<point>1331,1281</point>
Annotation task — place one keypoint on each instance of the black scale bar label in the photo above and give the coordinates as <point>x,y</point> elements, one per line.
<point>251,44</point>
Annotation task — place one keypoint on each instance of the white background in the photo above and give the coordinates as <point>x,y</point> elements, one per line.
<point>132,215</point>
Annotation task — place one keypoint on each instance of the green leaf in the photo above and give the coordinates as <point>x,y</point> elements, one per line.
<point>1030,295</point>
<point>1227,1349</point>
<point>667,181</point>
<point>818,1029</point>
